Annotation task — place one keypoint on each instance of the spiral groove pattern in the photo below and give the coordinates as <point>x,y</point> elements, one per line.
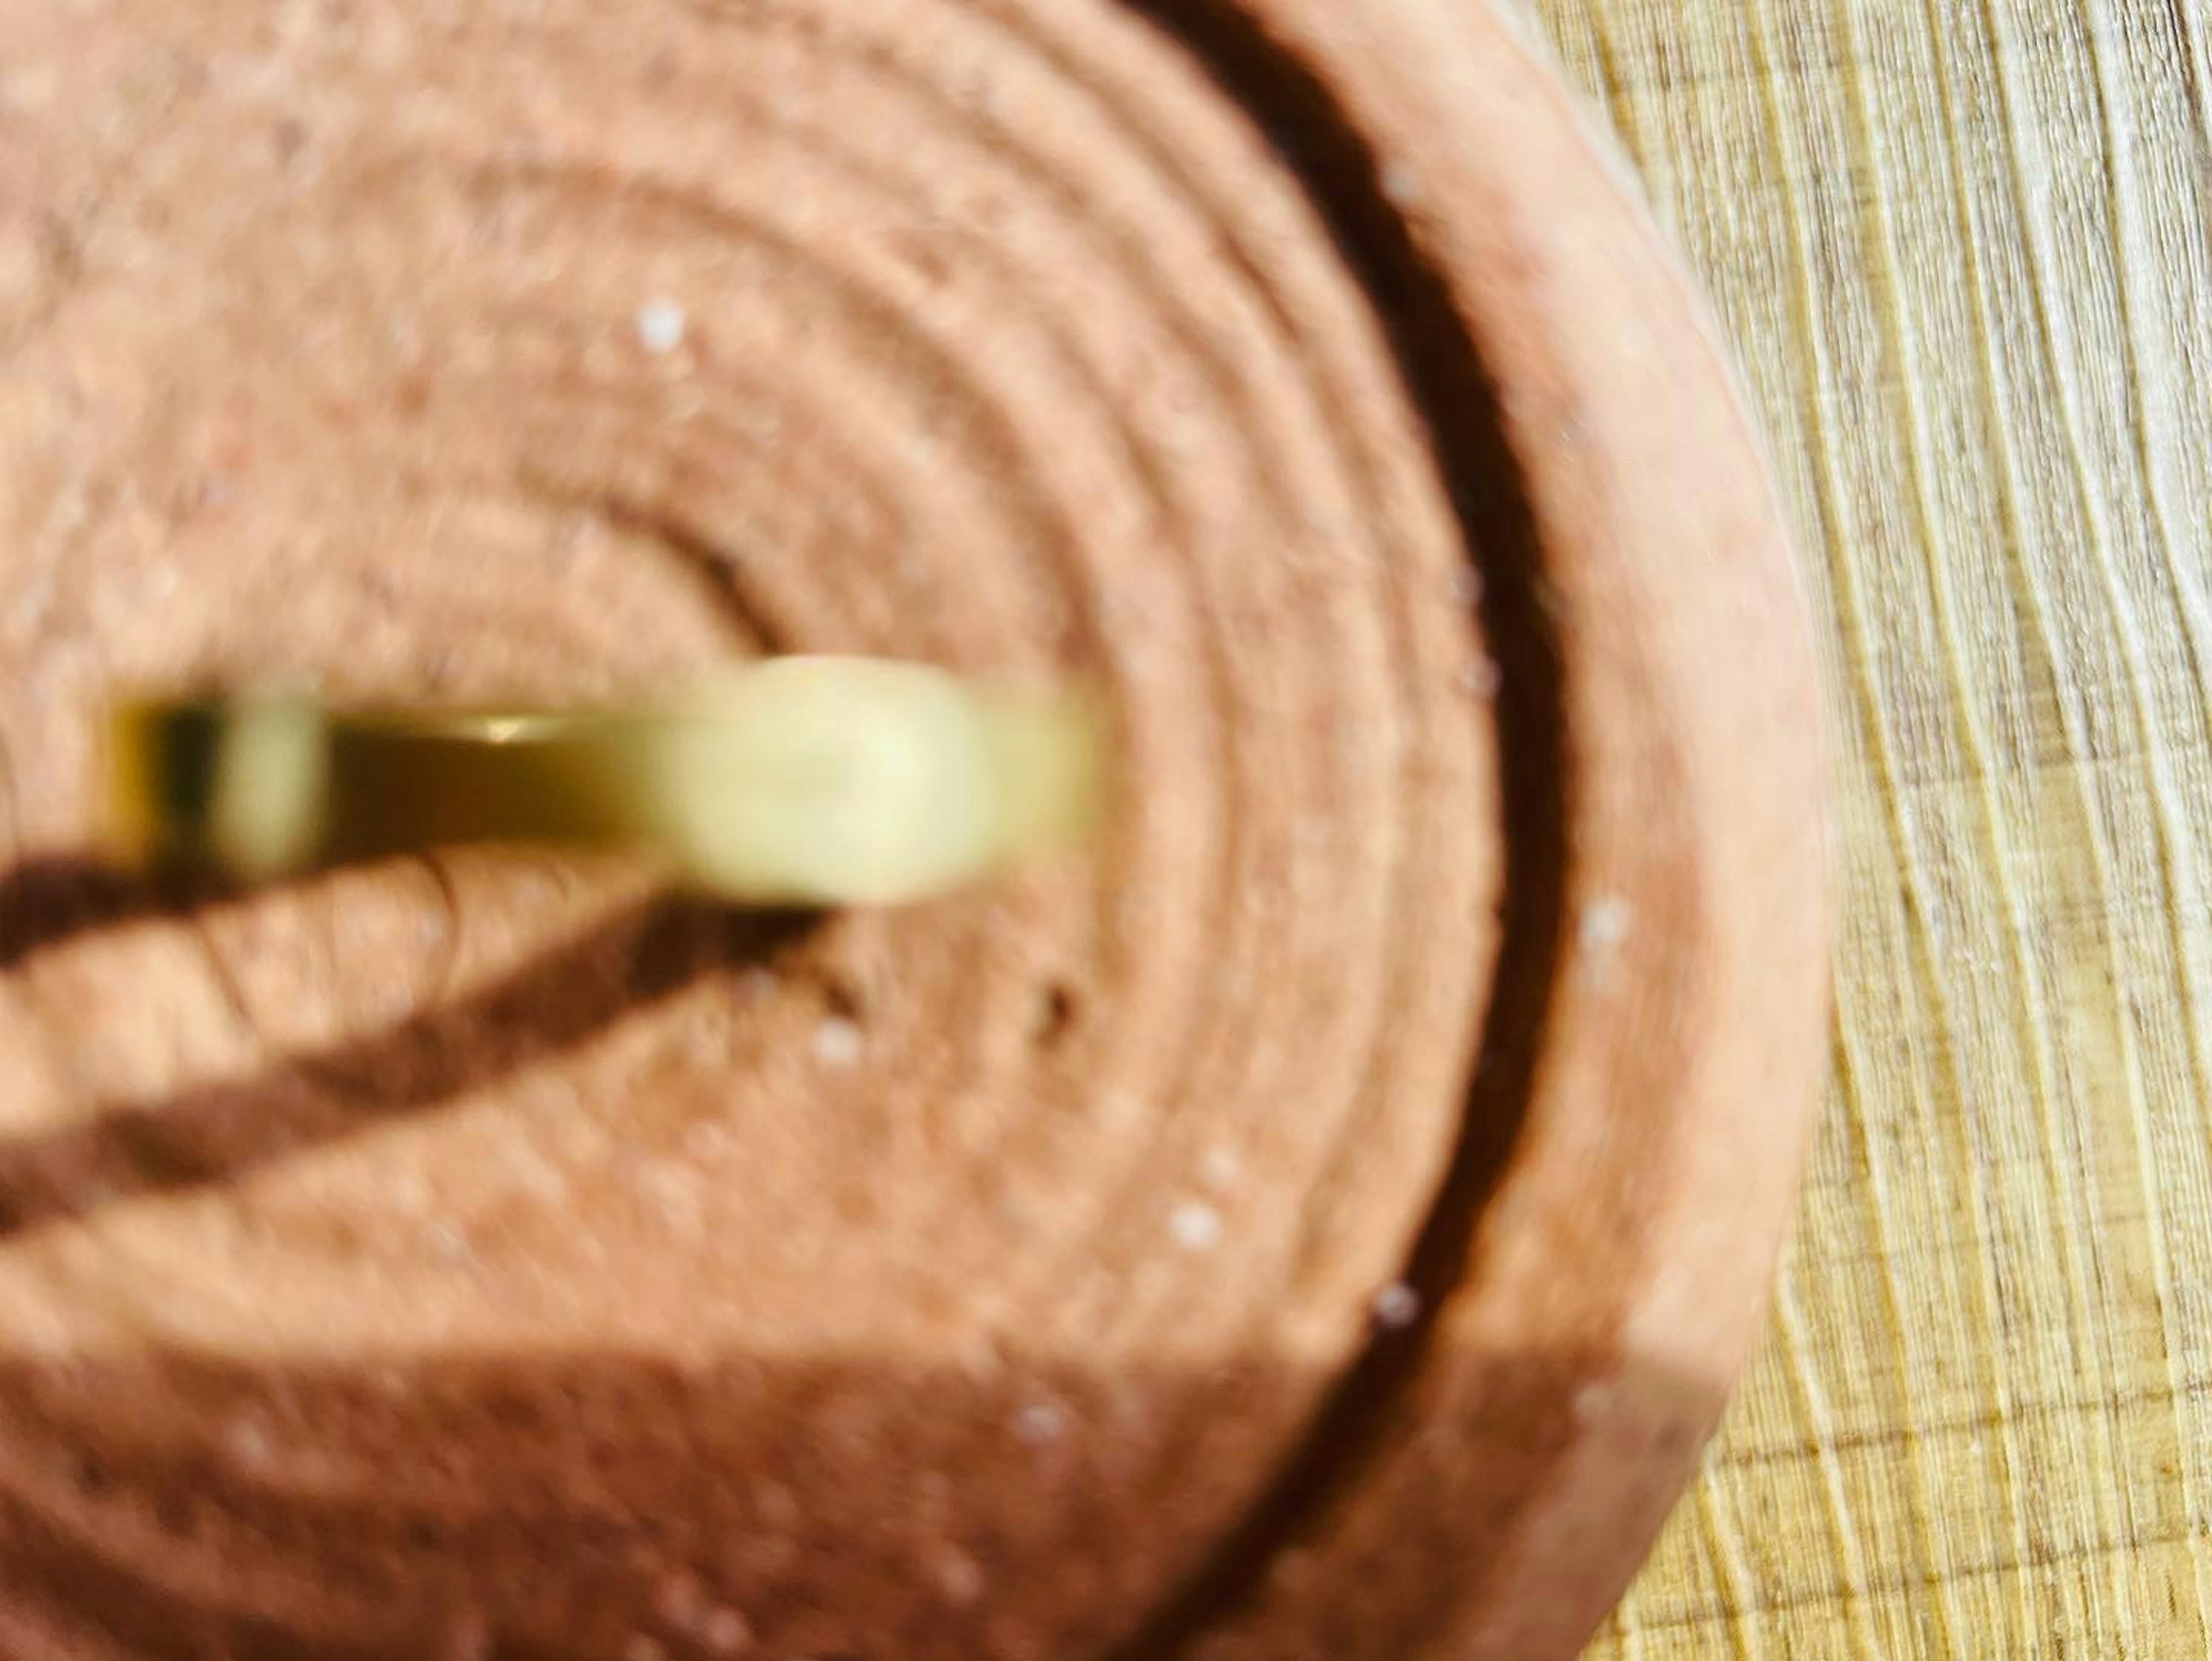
<point>477,1256</point>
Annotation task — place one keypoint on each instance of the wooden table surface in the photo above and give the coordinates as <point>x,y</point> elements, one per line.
<point>1961,249</point>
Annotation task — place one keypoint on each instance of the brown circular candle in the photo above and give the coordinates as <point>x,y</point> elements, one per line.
<point>1322,1221</point>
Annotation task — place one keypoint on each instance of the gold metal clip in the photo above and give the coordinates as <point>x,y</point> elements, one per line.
<point>795,781</point>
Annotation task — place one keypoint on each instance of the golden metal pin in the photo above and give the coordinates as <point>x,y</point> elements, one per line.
<point>794,781</point>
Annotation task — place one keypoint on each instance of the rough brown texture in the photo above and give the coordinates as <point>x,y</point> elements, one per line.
<point>473,1257</point>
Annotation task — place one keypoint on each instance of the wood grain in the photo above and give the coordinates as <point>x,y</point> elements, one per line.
<point>1961,250</point>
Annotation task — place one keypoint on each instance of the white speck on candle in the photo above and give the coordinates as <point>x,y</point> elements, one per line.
<point>725,1632</point>
<point>1604,923</point>
<point>1195,1225</point>
<point>1220,1168</point>
<point>248,1444</point>
<point>1480,677</point>
<point>1040,1424</point>
<point>962,1578</point>
<point>660,326</point>
<point>1396,1307</point>
<point>839,1042</point>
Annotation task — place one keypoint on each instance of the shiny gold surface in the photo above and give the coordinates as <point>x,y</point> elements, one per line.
<point>811,781</point>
